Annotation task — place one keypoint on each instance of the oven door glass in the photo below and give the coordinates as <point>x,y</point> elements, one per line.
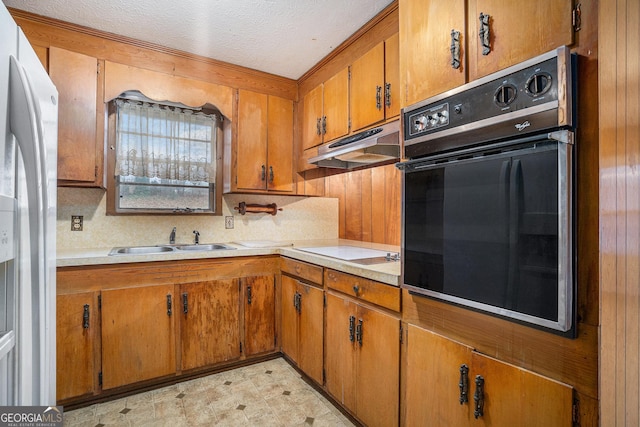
<point>491,230</point>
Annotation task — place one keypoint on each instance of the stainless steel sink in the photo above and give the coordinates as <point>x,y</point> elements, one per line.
<point>204,247</point>
<point>141,250</point>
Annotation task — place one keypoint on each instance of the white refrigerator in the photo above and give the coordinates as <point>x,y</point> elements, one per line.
<point>28,159</point>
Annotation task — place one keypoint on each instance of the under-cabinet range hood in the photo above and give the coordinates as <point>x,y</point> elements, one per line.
<point>375,145</point>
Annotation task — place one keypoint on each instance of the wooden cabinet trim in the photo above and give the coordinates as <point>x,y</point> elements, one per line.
<point>308,272</point>
<point>381,294</point>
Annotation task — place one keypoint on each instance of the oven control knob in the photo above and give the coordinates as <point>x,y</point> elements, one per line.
<point>442,116</point>
<point>420,123</point>
<point>505,95</point>
<point>457,109</point>
<point>433,120</point>
<point>538,84</point>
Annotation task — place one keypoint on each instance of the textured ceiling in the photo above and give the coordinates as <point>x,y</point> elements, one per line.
<point>282,37</point>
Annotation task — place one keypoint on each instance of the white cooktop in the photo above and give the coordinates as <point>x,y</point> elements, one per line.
<point>346,252</point>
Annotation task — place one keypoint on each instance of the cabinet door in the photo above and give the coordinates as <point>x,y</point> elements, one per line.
<point>340,350</point>
<point>76,78</point>
<point>312,118</point>
<point>289,318</point>
<point>311,331</point>
<point>259,314</point>
<point>138,339</point>
<point>512,393</point>
<point>251,147</point>
<point>210,322</point>
<point>336,106</point>
<point>392,76</point>
<point>77,335</point>
<point>514,35</point>
<point>378,368</point>
<point>280,144</point>
<point>367,89</point>
<point>432,392</point>
<point>425,42</point>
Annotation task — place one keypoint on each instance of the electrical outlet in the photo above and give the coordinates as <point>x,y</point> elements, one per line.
<point>228,222</point>
<point>76,222</point>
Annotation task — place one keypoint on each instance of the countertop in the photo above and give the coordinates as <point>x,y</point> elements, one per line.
<point>387,272</point>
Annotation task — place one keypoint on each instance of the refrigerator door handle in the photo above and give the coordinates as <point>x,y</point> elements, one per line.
<point>26,126</point>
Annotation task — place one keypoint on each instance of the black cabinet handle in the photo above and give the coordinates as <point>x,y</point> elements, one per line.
<point>484,33</point>
<point>379,97</point>
<point>387,94</point>
<point>271,174</point>
<point>249,295</point>
<point>352,326</point>
<point>318,126</point>
<point>185,303</point>
<point>263,174</point>
<point>85,316</point>
<point>359,332</point>
<point>324,125</point>
<point>455,49</point>
<point>169,305</point>
<point>478,397</point>
<point>464,384</point>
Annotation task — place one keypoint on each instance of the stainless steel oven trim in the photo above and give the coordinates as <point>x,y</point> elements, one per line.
<point>564,323</point>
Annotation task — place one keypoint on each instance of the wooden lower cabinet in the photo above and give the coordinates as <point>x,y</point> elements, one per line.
<point>435,387</point>
<point>302,314</point>
<point>138,334</point>
<point>259,314</point>
<point>78,344</point>
<point>209,322</point>
<point>362,360</point>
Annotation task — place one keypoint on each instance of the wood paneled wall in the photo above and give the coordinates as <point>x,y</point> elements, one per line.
<point>619,72</point>
<point>369,203</point>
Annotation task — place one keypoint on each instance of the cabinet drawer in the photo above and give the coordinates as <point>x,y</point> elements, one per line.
<point>303,270</point>
<point>365,289</point>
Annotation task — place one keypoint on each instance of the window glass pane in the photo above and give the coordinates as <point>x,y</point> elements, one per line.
<point>165,157</point>
<point>165,197</point>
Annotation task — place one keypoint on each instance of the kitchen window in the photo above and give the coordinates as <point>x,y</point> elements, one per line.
<point>165,157</point>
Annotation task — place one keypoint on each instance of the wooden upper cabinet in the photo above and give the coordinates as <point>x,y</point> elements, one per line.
<point>312,118</point>
<point>514,35</point>
<point>280,144</point>
<point>392,76</point>
<point>367,89</point>
<point>80,118</point>
<point>264,147</point>
<point>336,106</point>
<point>426,60</point>
<point>425,46</point>
<point>251,146</point>
<point>374,84</point>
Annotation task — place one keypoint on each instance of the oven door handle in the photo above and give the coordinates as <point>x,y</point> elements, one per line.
<point>515,214</point>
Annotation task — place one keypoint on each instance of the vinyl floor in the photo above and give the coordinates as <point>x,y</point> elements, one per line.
<point>270,393</point>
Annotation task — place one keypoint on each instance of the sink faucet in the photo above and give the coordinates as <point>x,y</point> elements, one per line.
<point>196,237</point>
<point>172,236</point>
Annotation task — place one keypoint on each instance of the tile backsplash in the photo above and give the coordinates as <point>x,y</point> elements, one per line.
<point>301,218</point>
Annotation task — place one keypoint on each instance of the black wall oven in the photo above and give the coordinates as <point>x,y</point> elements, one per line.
<point>488,194</point>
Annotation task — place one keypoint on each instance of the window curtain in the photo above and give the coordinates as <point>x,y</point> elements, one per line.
<point>165,143</point>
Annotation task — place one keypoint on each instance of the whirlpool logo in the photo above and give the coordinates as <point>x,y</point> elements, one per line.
<point>522,126</point>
